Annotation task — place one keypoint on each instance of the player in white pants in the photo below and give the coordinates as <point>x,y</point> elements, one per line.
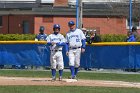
<point>75,40</point>
<point>56,41</point>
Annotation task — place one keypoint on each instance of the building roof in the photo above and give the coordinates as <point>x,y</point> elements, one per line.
<point>89,9</point>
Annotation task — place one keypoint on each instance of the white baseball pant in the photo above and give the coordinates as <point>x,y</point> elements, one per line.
<point>74,57</point>
<point>57,60</point>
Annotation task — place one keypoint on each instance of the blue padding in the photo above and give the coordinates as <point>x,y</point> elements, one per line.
<point>108,57</point>
<point>119,57</point>
<point>24,54</point>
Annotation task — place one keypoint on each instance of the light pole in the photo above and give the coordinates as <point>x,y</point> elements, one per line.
<point>79,14</point>
<point>130,15</point>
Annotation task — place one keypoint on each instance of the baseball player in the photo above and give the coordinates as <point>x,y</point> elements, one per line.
<point>41,36</point>
<point>75,40</point>
<point>56,41</point>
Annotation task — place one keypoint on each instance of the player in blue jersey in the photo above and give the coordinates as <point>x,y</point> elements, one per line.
<point>41,48</point>
<point>75,40</point>
<point>41,36</point>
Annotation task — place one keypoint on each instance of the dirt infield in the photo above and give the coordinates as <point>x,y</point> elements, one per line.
<point>65,82</point>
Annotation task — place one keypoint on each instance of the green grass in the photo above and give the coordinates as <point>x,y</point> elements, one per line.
<point>110,76</point>
<point>65,89</point>
<point>81,75</point>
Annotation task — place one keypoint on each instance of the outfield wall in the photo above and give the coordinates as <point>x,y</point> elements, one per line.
<point>110,55</point>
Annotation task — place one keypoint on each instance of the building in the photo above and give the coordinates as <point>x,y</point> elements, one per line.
<point>26,16</point>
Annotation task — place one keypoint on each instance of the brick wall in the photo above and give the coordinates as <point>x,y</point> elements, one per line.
<point>61,3</point>
<point>4,27</point>
<point>13,24</point>
<point>104,24</point>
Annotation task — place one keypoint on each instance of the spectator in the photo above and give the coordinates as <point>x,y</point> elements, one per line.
<point>84,31</point>
<point>88,40</point>
<point>130,37</point>
<point>87,35</point>
<point>94,37</point>
<point>135,33</point>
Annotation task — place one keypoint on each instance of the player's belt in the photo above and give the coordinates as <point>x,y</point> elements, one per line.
<point>74,47</point>
<point>56,50</point>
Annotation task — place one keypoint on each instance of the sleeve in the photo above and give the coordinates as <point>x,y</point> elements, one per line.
<point>66,47</point>
<point>63,39</point>
<point>133,39</point>
<point>62,42</point>
<point>46,37</point>
<point>83,39</point>
<point>83,43</point>
<point>48,40</point>
<point>66,38</point>
<point>82,35</point>
<point>67,43</point>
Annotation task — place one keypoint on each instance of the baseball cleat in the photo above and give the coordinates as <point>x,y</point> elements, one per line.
<point>60,78</point>
<point>75,78</point>
<point>72,77</point>
<point>53,78</point>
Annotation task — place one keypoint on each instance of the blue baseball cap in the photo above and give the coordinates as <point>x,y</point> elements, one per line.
<point>56,26</point>
<point>41,28</point>
<point>71,23</point>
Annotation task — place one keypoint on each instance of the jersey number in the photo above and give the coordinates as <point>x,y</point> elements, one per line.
<point>77,40</point>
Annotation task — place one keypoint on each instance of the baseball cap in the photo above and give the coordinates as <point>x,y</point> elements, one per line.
<point>56,26</point>
<point>71,23</point>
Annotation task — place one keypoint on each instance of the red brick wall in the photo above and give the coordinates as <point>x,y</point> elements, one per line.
<point>49,25</point>
<point>39,22</point>
<point>106,25</point>
<point>4,27</point>
<point>16,24</point>
<point>61,3</point>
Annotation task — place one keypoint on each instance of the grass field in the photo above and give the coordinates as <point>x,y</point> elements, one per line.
<point>81,75</point>
<point>69,89</point>
<point>65,89</point>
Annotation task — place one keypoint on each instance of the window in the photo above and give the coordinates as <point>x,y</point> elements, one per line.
<point>0,20</point>
<point>135,22</point>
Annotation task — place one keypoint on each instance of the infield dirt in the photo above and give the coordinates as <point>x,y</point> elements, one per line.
<point>65,82</point>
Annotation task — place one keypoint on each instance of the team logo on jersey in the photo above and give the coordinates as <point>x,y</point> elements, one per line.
<point>56,39</point>
<point>73,36</point>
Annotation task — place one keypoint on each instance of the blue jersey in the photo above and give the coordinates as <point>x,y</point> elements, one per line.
<point>131,38</point>
<point>41,37</point>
